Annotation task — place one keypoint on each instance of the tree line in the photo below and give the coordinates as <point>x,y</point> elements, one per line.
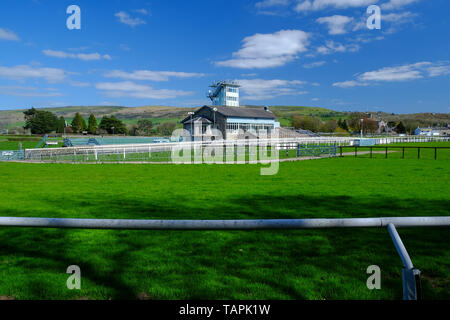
<point>355,122</point>
<point>43,122</point>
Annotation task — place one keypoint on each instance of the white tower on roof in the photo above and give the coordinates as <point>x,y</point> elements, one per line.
<point>224,93</point>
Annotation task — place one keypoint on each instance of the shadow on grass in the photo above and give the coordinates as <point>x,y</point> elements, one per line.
<point>301,264</point>
<point>44,251</point>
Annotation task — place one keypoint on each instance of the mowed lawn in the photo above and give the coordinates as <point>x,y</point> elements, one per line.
<point>300,264</point>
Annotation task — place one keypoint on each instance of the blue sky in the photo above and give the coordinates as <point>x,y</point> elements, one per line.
<point>282,52</point>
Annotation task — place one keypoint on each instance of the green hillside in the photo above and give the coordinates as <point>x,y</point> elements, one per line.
<point>285,113</point>
<point>160,114</point>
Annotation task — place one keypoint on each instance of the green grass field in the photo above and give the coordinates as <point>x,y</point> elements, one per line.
<point>302,264</point>
<point>28,142</point>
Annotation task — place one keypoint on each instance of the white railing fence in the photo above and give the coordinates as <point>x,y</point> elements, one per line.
<point>159,152</point>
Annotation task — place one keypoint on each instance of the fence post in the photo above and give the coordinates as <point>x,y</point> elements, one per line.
<point>341,150</point>
<point>356,151</point>
<point>410,275</point>
<point>386,152</point>
<point>371,149</point>
<point>435,153</point>
<point>403,153</point>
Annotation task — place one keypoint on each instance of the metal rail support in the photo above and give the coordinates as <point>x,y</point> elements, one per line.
<point>410,275</point>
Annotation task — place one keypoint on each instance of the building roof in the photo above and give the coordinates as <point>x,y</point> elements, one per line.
<point>197,119</point>
<point>239,112</point>
<point>225,83</point>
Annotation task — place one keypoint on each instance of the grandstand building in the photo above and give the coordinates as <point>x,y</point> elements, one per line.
<point>230,121</point>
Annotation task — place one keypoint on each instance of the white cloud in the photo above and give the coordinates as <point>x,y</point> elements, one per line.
<point>8,35</point>
<point>336,24</point>
<point>332,47</point>
<point>268,50</point>
<point>436,71</point>
<point>79,84</point>
<point>271,3</point>
<point>125,18</point>
<point>304,6</point>
<point>395,4</point>
<point>139,91</point>
<point>151,75</point>
<point>81,56</point>
<point>23,72</point>
<point>314,64</point>
<point>124,47</point>
<point>26,91</point>
<point>402,73</point>
<point>395,20</point>
<point>141,11</point>
<point>273,7</point>
<point>349,84</point>
<point>398,17</point>
<point>314,5</point>
<point>249,75</point>
<point>259,89</point>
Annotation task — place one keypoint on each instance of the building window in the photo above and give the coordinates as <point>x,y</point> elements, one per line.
<point>250,126</point>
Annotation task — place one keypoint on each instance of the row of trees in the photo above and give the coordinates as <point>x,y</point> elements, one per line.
<point>42,122</point>
<point>315,124</point>
<point>39,121</point>
<point>352,124</point>
<point>370,126</point>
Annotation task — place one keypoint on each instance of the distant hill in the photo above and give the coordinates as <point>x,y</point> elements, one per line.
<point>160,114</point>
<point>285,113</point>
<point>11,118</point>
<point>438,118</point>
<point>156,113</point>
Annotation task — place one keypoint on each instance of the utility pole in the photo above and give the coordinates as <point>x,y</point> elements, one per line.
<point>214,124</point>
<point>362,122</point>
<point>192,132</point>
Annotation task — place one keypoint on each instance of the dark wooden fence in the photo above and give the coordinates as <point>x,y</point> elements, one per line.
<point>387,148</point>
